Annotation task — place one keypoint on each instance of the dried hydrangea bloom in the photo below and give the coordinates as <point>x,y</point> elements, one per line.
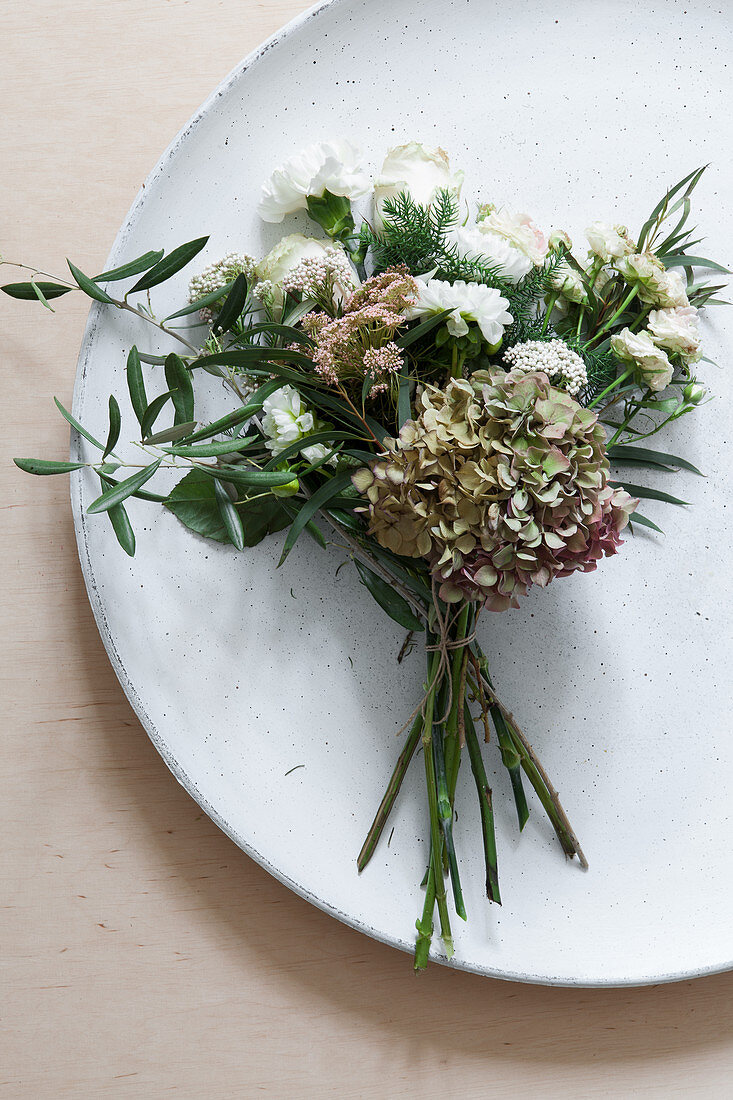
<point>500,483</point>
<point>360,343</point>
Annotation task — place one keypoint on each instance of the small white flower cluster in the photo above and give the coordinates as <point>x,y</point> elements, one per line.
<point>217,275</point>
<point>554,358</point>
<point>312,273</point>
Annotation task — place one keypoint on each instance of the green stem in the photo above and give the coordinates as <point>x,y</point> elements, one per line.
<point>548,311</point>
<point>445,814</point>
<point>486,809</point>
<point>614,385</point>
<point>393,787</point>
<point>621,309</point>
<point>431,783</point>
<point>425,924</point>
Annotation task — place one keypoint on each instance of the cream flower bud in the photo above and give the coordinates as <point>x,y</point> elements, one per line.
<point>477,242</point>
<point>609,242</point>
<point>694,393</point>
<point>557,239</point>
<point>420,171</point>
<point>333,166</point>
<point>653,366</point>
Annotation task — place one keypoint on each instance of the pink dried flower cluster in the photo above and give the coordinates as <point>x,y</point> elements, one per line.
<point>360,343</point>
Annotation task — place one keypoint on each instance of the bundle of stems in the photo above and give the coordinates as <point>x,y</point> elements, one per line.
<point>458,680</point>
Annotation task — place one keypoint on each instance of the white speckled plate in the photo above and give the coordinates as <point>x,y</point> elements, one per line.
<point>240,672</point>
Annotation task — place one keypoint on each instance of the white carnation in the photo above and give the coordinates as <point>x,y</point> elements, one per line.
<point>518,229</point>
<point>334,166</point>
<point>477,242</point>
<point>652,363</point>
<point>419,171</point>
<point>468,302</point>
<point>676,330</point>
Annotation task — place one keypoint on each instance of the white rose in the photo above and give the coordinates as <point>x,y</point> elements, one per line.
<point>638,348</point>
<point>657,286</point>
<point>476,241</point>
<point>417,170</point>
<point>468,302</point>
<point>676,330</point>
<point>518,229</point>
<point>609,242</point>
<point>333,166</point>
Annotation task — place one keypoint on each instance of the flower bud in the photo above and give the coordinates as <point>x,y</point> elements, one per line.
<point>693,393</point>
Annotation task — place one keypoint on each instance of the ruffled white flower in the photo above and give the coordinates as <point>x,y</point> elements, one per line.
<point>518,229</point>
<point>677,330</point>
<point>417,170</point>
<point>476,241</point>
<point>468,302</point>
<point>657,286</point>
<point>651,362</point>
<point>334,166</point>
<point>286,420</point>
<point>609,242</point>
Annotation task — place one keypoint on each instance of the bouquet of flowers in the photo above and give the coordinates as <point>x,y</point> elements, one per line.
<point>440,388</point>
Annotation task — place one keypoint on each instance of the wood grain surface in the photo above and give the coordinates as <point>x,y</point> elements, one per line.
<point>142,953</point>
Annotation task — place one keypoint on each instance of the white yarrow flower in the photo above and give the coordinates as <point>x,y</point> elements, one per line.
<point>468,302</point>
<point>676,330</point>
<point>652,363</point>
<point>287,257</point>
<point>334,166</point>
<point>417,170</point>
<point>477,242</point>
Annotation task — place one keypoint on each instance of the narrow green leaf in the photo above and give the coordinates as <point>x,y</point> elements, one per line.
<point>244,475</point>
<point>646,494</point>
<point>208,450</point>
<point>231,309</point>
<point>621,451</point>
<point>170,435</point>
<point>321,496</point>
<point>123,489</point>
<point>28,292</point>
<point>390,601</point>
<point>134,267</point>
<point>230,516</point>
<point>122,528</point>
<point>76,425</point>
<point>115,422</point>
<point>139,494</point>
<point>423,329</point>
<point>152,412</point>
<point>636,517</point>
<point>41,296</point>
<point>88,285</point>
<point>179,383</point>
<point>201,303</point>
<point>681,260</point>
<point>43,466</point>
<point>307,441</point>
<point>170,264</point>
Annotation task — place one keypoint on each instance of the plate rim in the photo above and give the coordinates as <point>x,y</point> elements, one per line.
<point>93,324</point>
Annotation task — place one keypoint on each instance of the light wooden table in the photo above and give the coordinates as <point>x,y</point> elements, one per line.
<point>142,953</point>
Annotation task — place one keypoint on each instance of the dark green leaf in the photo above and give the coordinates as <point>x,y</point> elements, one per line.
<point>76,425</point>
<point>201,303</point>
<point>170,264</point>
<point>193,501</point>
<point>122,528</point>
<point>140,494</point>
<point>115,422</point>
<point>636,517</point>
<point>136,384</point>
<point>170,435</point>
<point>621,452</point>
<point>152,412</point>
<point>693,261</point>
<point>46,466</point>
<point>28,291</point>
<point>244,475</point>
<point>142,263</point>
<point>647,494</point>
<point>208,450</point>
<point>179,383</point>
<point>321,496</point>
<point>422,329</point>
<point>231,310</point>
<point>390,601</point>
<point>306,441</point>
<point>123,489</point>
<point>230,516</point>
<point>88,285</point>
